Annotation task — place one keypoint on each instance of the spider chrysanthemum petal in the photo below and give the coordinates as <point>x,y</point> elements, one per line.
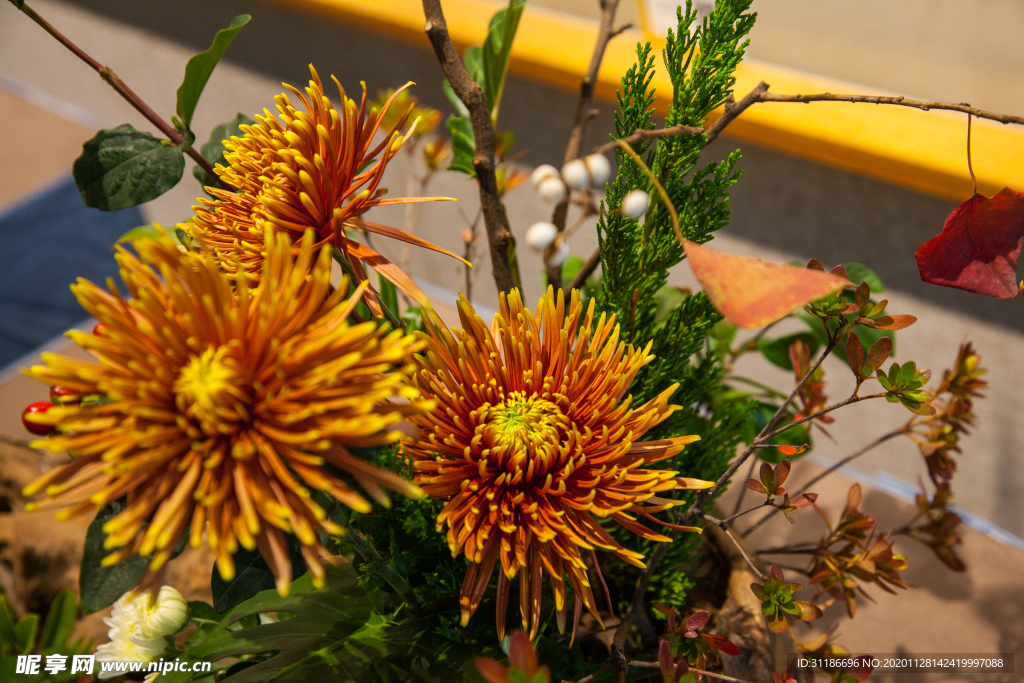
<point>533,439</point>
<point>218,409</point>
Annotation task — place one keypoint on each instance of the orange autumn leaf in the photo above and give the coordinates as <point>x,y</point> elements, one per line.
<point>753,293</point>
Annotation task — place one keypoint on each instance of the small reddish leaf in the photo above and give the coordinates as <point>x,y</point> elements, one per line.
<point>782,473</point>
<point>778,626</point>
<point>894,322</point>
<point>839,270</point>
<point>753,293</point>
<point>665,661</point>
<point>682,668</point>
<point>808,611</point>
<point>521,654</point>
<point>803,500</point>
<point>698,620</point>
<point>755,486</point>
<point>721,643</point>
<point>775,572</point>
<point>758,590</point>
<point>815,264</point>
<point>854,353</point>
<point>978,247</point>
<point>786,449</point>
<point>491,671</point>
<point>767,477</point>
<point>879,351</point>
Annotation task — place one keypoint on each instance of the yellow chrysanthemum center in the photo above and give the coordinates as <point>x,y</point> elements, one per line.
<point>208,390</point>
<point>522,433</point>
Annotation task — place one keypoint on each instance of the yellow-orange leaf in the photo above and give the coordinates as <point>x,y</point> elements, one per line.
<point>753,293</point>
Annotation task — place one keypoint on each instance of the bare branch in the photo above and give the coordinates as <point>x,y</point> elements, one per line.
<point>724,526</point>
<point>655,134</point>
<point>606,31</point>
<point>901,101</point>
<point>850,458</point>
<point>589,267</point>
<point>702,672</point>
<point>472,95</point>
<point>122,89</point>
<point>853,399</point>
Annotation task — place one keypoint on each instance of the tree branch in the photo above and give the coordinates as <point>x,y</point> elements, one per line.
<point>655,134</point>
<point>606,31</point>
<point>724,526</point>
<point>589,267</point>
<point>853,399</point>
<point>472,95</point>
<point>901,101</point>
<point>122,89</point>
<point>702,672</point>
<point>848,459</point>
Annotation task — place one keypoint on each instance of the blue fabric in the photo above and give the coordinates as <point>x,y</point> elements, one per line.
<point>46,244</point>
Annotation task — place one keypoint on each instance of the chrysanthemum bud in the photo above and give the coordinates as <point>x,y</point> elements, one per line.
<point>551,190</point>
<point>575,175</point>
<point>599,168</point>
<point>634,204</point>
<point>540,235</point>
<point>559,253</point>
<point>165,615</point>
<point>541,173</point>
<point>467,235</point>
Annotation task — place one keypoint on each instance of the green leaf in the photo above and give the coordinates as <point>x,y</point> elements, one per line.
<point>199,68</point>
<point>666,300</point>
<point>858,273</point>
<point>99,586</point>
<point>6,622</point>
<point>449,92</point>
<point>388,294</point>
<point>463,144</point>
<point>252,576</point>
<point>151,231</point>
<point>777,350</point>
<point>213,150</point>
<point>25,633</point>
<point>202,612</point>
<point>497,46</point>
<point>474,60</point>
<point>59,621</point>
<point>906,374</point>
<point>124,167</point>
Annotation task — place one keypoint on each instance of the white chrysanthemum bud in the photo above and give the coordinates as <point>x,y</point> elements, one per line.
<point>559,253</point>
<point>540,235</point>
<point>163,616</point>
<point>599,168</point>
<point>575,175</point>
<point>634,204</point>
<point>543,172</point>
<point>551,190</point>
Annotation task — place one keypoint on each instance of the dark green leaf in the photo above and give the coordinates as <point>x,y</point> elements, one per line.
<point>199,68</point>
<point>6,621</point>
<point>213,150</point>
<point>124,167</point>
<point>59,621</point>
<point>777,350</point>
<point>463,145</point>
<point>99,586</point>
<point>858,273</point>
<point>388,295</point>
<point>252,575</point>
<point>498,45</point>
<point>202,612</point>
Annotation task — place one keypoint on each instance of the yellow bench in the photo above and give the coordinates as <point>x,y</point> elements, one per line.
<point>924,151</point>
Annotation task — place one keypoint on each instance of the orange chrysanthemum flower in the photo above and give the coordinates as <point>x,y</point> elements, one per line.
<point>313,169</point>
<point>532,441</point>
<point>215,406</point>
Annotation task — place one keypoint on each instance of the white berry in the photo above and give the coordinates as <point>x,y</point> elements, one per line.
<point>634,204</point>
<point>559,253</point>
<point>600,169</point>
<point>576,175</point>
<point>540,235</point>
<point>551,190</point>
<point>543,172</point>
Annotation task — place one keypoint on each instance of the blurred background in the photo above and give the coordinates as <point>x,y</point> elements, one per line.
<point>837,182</point>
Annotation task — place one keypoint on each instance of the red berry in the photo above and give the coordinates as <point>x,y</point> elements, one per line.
<point>61,395</point>
<point>38,407</point>
<point>99,328</point>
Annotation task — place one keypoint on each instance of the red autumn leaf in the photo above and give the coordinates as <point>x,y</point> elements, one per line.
<point>786,449</point>
<point>803,500</point>
<point>721,643</point>
<point>753,293</point>
<point>978,247</point>
<point>521,654</point>
<point>755,486</point>
<point>893,322</point>
<point>491,671</point>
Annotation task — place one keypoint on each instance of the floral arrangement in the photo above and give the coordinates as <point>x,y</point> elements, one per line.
<point>371,479</point>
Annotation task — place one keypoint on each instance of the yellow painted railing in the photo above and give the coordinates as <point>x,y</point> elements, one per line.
<point>924,151</point>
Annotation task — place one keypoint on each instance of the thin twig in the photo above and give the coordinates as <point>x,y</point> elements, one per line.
<point>970,167</point>
<point>724,526</point>
<point>744,489</point>
<point>702,672</point>
<point>899,100</point>
<point>108,75</point>
<point>853,456</point>
<point>853,399</point>
<point>588,268</point>
<point>587,679</point>
<point>606,31</point>
<point>472,95</point>
<point>737,515</point>
<point>656,134</point>
<point>734,109</point>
